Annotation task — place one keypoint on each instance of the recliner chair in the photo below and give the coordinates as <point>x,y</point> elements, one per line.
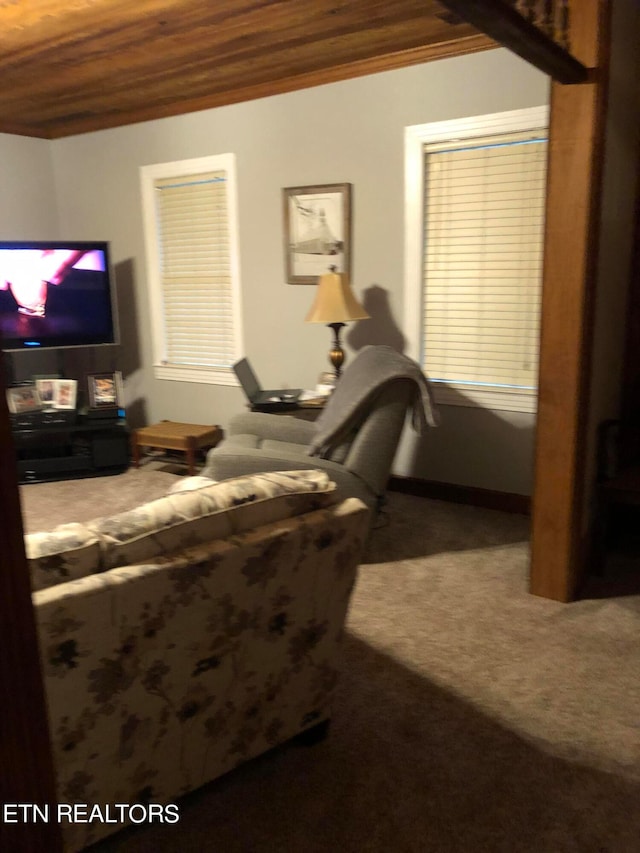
<point>365,416</point>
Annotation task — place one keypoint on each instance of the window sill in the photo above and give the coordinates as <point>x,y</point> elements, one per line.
<point>195,373</point>
<point>493,399</point>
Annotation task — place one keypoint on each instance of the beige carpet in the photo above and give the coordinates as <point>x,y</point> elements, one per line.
<point>471,716</point>
<point>45,505</point>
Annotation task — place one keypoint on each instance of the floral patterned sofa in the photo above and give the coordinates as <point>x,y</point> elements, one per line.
<point>190,634</point>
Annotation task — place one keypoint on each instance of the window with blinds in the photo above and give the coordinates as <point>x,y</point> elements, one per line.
<point>192,258</point>
<point>481,252</point>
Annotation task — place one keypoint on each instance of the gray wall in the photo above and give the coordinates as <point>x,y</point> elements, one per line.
<point>28,211</point>
<point>28,208</point>
<point>344,132</point>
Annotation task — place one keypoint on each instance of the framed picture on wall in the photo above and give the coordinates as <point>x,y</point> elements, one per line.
<point>317,231</point>
<point>105,390</point>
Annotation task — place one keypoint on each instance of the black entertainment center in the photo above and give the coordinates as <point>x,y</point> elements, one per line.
<point>54,296</point>
<point>58,447</point>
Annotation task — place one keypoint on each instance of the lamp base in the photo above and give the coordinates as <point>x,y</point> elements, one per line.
<point>336,355</point>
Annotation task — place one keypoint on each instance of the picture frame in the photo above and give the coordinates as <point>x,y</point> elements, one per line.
<point>64,395</point>
<point>23,398</point>
<point>46,388</point>
<point>317,231</point>
<point>105,390</point>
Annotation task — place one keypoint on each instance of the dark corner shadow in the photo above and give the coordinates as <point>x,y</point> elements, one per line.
<point>411,527</point>
<point>381,328</point>
<point>126,355</point>
<point>407,765</point>
<point>129,356</point>
<point>137,413</point>
<point>619,577</point>
<point>483,439</point>
<point>456,415</point>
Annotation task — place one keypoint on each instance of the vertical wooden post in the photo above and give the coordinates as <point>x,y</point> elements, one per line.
<point>574,179</point>
<point>26,769</point>
<point>630,403</point>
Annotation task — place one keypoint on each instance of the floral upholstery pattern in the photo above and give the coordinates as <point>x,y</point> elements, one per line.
<point>163,675</point>
<point>180,519</point>
<point>66,553</point>
<point>189,518</point>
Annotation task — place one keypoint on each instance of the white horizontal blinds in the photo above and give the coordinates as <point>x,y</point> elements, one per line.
<point>484,220</point>
<point>195,269</point>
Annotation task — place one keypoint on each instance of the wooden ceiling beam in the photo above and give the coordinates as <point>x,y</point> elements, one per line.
<point>499,20</point>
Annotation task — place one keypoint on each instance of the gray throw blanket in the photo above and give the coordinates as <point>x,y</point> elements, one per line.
<point>372,368</point>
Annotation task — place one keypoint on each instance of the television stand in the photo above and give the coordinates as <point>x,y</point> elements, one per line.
<point>59,449</point>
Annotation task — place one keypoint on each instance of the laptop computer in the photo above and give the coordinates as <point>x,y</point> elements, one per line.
<point>273,400</point>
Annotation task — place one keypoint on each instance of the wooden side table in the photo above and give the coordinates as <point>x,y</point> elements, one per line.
<point>307,410</point>
<point>171,435</point>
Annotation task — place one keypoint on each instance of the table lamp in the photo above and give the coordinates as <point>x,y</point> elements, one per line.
<point>335,305</point>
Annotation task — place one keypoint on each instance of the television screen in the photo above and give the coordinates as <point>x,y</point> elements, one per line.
<point>55,294</point>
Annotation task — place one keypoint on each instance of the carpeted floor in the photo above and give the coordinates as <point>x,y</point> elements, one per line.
<point>471,716</point>
<point>45,505</point>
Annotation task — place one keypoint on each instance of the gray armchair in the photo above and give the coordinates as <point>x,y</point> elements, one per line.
<point>354,439</point>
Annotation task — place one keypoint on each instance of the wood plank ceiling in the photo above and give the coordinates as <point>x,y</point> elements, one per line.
<point>72,66</point>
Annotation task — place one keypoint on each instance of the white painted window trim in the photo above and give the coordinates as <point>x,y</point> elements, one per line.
<point>181,168</point>
<point>415,138</point>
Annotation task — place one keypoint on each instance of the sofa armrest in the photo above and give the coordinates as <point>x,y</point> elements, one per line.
<point>229,460</point>
<point>276,427</point>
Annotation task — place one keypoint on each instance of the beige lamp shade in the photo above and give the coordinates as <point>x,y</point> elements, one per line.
<point>335,305</point>
<point>335,302</point>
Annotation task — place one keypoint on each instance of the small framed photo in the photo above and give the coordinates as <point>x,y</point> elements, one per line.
<point>46,388</point>
<point>64,395</point>
<point>317,231</point>
<point>105,390</point>
<point>23,398</point>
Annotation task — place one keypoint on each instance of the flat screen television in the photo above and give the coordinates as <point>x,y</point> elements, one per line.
<point>56,294</point>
